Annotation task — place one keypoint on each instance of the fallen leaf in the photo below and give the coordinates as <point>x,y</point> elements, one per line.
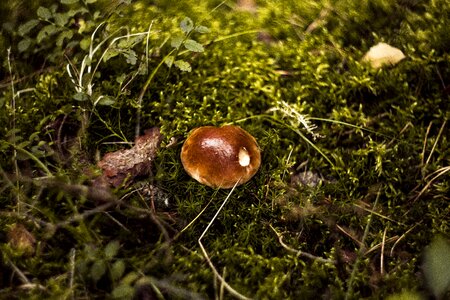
<point>383,54</point>
<point>122,166</point>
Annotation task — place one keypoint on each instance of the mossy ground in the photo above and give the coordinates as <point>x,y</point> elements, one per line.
<point>383,136</point>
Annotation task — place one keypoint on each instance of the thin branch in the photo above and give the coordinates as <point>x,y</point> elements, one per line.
<point>299,252</point>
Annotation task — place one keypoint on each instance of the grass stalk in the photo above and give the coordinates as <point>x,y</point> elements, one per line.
<point>361,251</point>
<point>228,287</point>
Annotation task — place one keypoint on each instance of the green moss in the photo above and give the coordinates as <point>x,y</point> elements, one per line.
<point>372,136</point>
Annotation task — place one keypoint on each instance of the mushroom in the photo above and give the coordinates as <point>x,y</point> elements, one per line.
<point>221,157</point>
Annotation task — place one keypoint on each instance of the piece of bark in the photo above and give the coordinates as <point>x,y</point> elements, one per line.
<point>122,166</point>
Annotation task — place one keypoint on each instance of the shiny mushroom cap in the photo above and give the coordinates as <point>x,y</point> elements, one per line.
<point>220,156</point>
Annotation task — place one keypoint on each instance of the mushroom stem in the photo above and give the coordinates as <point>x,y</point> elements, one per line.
<point>205,254</point>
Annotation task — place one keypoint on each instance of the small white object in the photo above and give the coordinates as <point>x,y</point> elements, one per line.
<point>383,54</point>
<point>244,157</point>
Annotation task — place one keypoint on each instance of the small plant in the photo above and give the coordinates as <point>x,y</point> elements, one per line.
<point>83,78</point>
<point>62,24</point>
<point>185,40</point>
<point>95,264</point>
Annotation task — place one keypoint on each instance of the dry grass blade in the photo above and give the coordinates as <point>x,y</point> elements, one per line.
<point>299,252</point>
<point>435,142</point>
<point>349,292</point>
<point>228,287</point>
<point>435,175</point>
<point>382,252</point>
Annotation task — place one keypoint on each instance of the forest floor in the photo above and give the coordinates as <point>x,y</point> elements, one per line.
<point>352,199</point>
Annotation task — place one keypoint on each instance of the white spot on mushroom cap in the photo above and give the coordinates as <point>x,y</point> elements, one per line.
<point>244,157</point>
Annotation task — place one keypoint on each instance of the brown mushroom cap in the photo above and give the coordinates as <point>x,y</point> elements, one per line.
<point>220,156</point>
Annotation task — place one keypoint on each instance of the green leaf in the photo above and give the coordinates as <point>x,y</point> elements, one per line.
<point>98,269</point>
<point>130,56</point>
<point>123,291</point>
<point>24,44</point>
<point>81,97</point>
<point>61,19</point>
<point>46,31</point>
<point>44,13</point>
<point>186,25</point>
<point>106,101</point>
<point>130,278</point>
<point>23,145</point>
<point>117,270</point>
<point>97,15</point>
<point>176,41</point>
<point>87,61</point>
<point>90,251</point>
<point>169,61</point>
<point>130,42</point>
<point>82,267</point>
<point>69,1</point>
<point>183,65</point>
<point>202,29</point>
<point>193,46</point>
<point>121,78</point>
<point>76,11</point>
<point>142,69</point>
<point>13,135</point>
<point>85,43</point>
<point>436,266</point>
<point>85,26</point>
<point>38,152</point>
<point>112,249</point>
<point>112,52</point>
<point>26,27</point>
<point>67,34</point>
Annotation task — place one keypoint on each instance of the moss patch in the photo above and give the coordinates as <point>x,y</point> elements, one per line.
<point>354,180</point>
